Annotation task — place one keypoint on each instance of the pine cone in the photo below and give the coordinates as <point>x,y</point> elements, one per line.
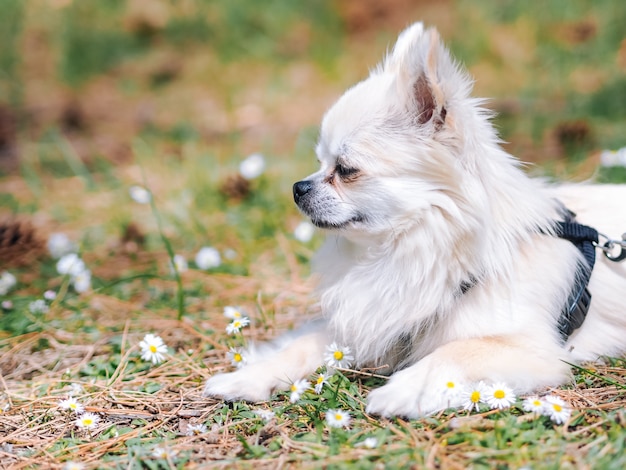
<point>73,117</point>
<point>235,187</point>
<point>133,238</point>
<point>20,244</point>
<point>573,132</point>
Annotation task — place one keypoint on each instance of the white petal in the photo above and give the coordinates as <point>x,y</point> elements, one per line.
<point>252,167</point>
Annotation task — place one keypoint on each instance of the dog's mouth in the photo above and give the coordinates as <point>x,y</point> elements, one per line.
<point>325,224</point>
<point>322,209</point>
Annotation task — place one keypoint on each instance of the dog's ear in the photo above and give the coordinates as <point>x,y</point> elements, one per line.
<point>425,74</point>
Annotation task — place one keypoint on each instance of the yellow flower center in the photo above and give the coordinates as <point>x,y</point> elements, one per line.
<point>320,379</point>
<point>87,421</point>
<point>537,403</point>
<point>153,348</point>
<point>237,324</point>
<point>293,387</point>
<point>499,394</point>
<point>237,357</point>
<point>450,385</point>
<point>73,406</point>
<point>338,417</point>
<point>338,355</point>
<point>475,396</point>
<point>236,314</point>
<point>557,407</point>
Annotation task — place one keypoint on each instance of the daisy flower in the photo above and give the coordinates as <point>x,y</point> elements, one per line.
<point>195,429</point>
<point>337,418</point>
<point>207,258</point>
<point>59,244</point>
<point>499,396</point>
<point>304,232</point>
<point>322,379</point>
<point>236,325</point>
<point>234,313</point>
<point>7,282</point>
<point>71,465</point>
<point>252,167</point>
<point>82,281</point>
<point>368,443</point>
<point>179,265</point>
<point>452,390</point>
<point>70,264</point>
<point>236,357</point>
<point>71,404</point>
<point>153,348</point>
<point>87,420</point>
<point>473,395</point>
<point>38,306</point>
<point>297,389</point>
<point>49,295</point>
<point>139,194</point>
<point>556,409</point>
<point>80,277</point>
<point>533,404</point>
<point>265,415</point>
<point>163,453</point>
<point>337,356</point>
<point>613,157</point>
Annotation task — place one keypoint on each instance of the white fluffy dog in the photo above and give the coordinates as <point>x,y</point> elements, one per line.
<point>443,261</point>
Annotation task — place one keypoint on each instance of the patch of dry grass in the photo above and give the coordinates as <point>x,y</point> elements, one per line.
<point>143,407</point>
<point>150,404</point>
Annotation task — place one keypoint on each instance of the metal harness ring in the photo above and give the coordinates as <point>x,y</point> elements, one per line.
<point>608,247</point>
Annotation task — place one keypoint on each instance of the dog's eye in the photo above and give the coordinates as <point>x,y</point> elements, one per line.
<point>345,172</point>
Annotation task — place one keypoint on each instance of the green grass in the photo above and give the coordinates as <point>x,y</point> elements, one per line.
<point>10,30</point>
<point>160,102</point>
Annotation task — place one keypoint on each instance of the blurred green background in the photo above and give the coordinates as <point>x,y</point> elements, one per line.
<point>98,95</point>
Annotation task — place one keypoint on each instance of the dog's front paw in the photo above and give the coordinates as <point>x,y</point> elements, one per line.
<point>244,384</point>
<point>414,392</point>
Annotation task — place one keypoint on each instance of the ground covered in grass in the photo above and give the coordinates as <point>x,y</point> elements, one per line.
<point>123,125</point>
<point>154,415</point>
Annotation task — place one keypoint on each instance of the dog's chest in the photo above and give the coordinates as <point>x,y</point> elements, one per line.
<point>383,327</point>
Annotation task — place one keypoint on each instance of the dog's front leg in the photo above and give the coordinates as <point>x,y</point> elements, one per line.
<point>291,358</point>
<point>420,389</point>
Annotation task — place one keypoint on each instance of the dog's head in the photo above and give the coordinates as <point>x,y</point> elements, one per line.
<point>392,147</point>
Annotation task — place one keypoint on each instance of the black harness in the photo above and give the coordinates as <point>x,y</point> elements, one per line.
<point>585,239</point>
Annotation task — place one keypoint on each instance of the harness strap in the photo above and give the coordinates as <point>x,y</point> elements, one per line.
<point>584,238</point>
<point>580,235</point>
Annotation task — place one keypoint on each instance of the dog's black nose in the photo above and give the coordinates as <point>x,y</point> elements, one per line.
<point>300,189</point>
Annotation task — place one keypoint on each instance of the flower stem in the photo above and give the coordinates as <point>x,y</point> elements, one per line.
<point>180,295</point>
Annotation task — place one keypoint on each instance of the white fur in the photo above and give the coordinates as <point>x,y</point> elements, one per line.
<point>437,202</point>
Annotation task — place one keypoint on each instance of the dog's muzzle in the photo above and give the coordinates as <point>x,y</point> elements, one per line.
<point>300,189</point>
